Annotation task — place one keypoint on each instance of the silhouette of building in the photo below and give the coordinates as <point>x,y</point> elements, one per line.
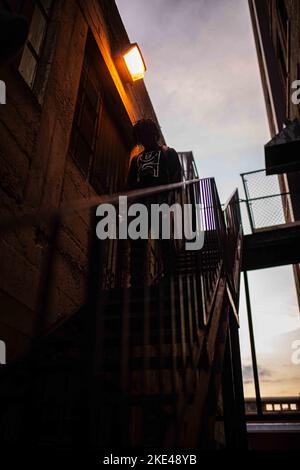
<point>276,29</point>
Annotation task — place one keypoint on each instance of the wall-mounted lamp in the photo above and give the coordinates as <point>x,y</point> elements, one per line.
<point>135,63</point>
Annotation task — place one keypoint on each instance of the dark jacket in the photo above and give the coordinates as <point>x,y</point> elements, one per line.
<point>155,168</point>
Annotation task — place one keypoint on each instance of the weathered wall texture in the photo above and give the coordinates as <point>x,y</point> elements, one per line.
<point>37,171</point>
<point>279,32</point>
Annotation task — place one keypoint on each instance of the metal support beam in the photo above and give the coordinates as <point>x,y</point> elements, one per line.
<point>252,344</point>
<point>273,246</point>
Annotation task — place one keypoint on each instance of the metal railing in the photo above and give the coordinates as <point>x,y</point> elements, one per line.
<point>135,352</point>
<point>274,406</point>
<point>233,220</point>
<point>268,203</point>
<point>152,335</point>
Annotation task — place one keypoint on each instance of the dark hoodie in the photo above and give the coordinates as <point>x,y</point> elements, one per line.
<point>154,168</point>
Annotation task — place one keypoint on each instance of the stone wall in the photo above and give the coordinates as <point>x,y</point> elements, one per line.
<point>37,172</point>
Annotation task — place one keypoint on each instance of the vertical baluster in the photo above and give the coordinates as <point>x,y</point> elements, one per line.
<point>125,377</point>
<point>31,418</point>
<point>146,342</point>
<point>182,327</point>
<point>191,313</point>
<point>173,336</point>
<point>162,343</point>
<point>88,423</point>
<point>125,341</point>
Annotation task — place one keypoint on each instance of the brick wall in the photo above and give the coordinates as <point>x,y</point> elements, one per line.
<point>38,172</point>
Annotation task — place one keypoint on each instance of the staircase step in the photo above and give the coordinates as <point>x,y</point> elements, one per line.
<point>138,363</point>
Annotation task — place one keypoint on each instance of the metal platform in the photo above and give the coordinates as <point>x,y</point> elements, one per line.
<point>272,246</point>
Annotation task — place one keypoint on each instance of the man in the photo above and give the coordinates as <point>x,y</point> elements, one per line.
<point>156,165</point>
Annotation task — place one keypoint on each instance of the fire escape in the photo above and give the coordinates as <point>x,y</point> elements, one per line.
<point>151,366</point>
<point>272,203</point>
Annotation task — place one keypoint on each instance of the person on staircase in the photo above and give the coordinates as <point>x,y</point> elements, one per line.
<point>155,165</point>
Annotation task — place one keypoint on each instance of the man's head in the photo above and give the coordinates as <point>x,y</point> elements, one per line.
<point>146,133</point>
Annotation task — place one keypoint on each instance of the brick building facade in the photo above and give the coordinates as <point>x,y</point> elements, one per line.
<point>276,26</point>
<point>65,137</point>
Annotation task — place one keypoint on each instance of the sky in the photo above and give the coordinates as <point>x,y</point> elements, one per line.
<point>203,79</point>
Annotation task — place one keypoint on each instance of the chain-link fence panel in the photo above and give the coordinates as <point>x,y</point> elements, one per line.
<point>267,202</point>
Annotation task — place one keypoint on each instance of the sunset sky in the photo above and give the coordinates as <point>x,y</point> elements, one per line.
<point>204,82</point>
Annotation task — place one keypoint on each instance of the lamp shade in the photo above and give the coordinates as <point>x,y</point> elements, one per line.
<point>135,62</point>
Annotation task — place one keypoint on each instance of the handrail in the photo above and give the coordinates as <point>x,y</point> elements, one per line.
<point>250,199</point>
<point>273,167</point>
<point>261,190</point>
<point>225,296</point>
<point>11,222</point>
<point>179,333</point>
<point>230,198</point>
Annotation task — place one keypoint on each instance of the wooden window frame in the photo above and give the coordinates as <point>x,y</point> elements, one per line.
<point>29,48</point>
<point>77,131</point>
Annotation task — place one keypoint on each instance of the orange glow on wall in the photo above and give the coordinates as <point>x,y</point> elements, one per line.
<point>135,63</point>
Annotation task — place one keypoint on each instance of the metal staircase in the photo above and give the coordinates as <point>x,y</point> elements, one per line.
<point>150,366</point>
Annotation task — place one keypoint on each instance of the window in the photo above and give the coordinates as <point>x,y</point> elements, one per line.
<point>269,407</point>
<point>86,118</point>
<point>285,406</point>
<point>293,406</point>
<point>100,142</point>
<point>33,49</point>
<point>33,61</point>
<point>277,407</point>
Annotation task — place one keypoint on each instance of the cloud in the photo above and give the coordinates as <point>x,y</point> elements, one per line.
<point>265,374</point>
<point>203,79</point>
<point>277,376</point>
<point>247,374</point>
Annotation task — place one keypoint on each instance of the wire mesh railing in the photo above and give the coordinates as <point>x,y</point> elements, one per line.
<point>234,228</point>
<point>268,201</point>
